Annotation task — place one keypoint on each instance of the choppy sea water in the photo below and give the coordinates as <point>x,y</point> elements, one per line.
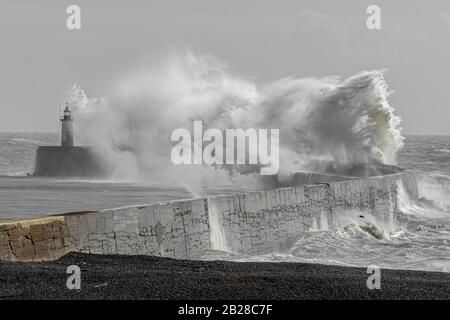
<point>24,196</point>
<point>421,240</point>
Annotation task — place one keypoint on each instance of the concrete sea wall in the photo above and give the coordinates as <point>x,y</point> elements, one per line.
<point>38,239</point>
<point>243,223</point>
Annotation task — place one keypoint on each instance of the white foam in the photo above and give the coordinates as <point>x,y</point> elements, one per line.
<point>217,233</point>
<point>347,120</point>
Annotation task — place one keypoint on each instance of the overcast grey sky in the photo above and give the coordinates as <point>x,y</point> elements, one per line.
<point>263,40</point>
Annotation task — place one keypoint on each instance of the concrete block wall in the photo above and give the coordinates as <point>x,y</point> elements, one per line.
<point>244,223</point>
<point>173,229</point>
<point>264,220</point>
<point>39,239</point>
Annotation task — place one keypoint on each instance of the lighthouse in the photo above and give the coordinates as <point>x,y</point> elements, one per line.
<point>68,160</point>
<point>67,128</point>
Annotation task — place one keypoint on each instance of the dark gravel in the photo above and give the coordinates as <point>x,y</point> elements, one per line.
<point>145,277</point>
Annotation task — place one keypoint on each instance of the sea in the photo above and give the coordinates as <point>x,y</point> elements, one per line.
<point>421,241</point>
<point>22,195</point>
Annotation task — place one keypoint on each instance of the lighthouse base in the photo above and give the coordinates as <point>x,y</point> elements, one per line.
<point>67,162</point>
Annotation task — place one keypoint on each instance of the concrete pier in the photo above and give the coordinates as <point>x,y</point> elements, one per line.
<point>246,222</point>
<point>68,162</point>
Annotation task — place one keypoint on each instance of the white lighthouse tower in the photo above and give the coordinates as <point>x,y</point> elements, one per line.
<point>67,128</point>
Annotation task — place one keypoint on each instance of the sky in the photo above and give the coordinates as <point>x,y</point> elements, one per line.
<point>262,40</point>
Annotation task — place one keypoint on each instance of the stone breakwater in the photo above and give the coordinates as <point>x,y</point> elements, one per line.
<point>242,223</point>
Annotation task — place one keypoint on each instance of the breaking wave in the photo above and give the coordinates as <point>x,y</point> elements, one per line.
<point>344,120</point>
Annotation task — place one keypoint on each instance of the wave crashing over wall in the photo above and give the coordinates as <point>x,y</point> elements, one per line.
<point>347,121</point>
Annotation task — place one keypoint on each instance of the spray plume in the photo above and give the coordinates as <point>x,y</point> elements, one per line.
<point>347,121</point>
